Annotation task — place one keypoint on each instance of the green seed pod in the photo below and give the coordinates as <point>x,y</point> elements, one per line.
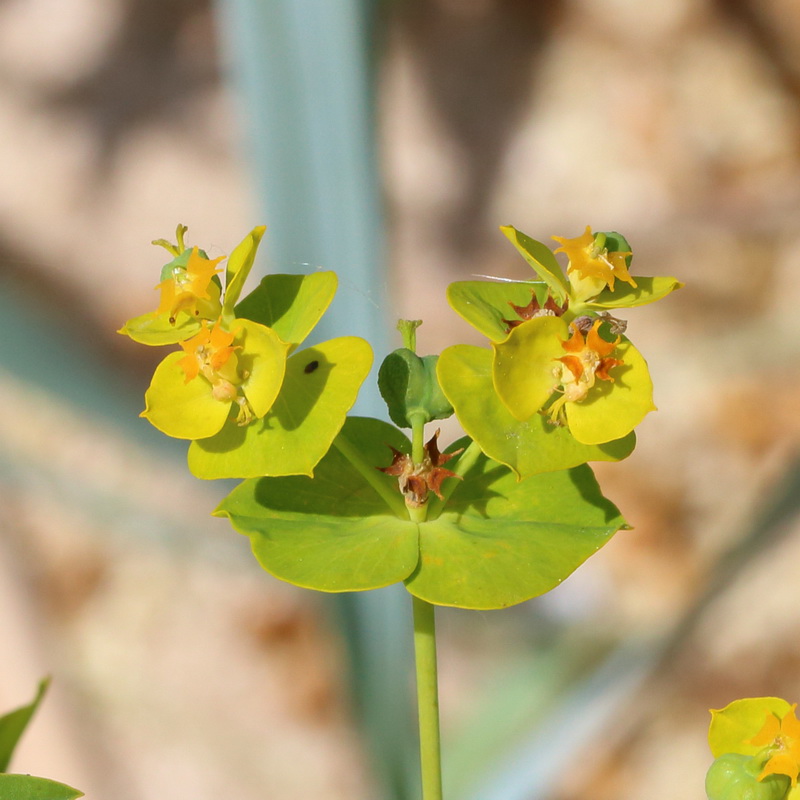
<point>616,243</point>
<point>409,386</point>
<point>180,262</point>
<point>735,777</point>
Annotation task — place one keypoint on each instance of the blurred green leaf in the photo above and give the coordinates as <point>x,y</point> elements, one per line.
<point>27,787</point>
<point>13,724</point>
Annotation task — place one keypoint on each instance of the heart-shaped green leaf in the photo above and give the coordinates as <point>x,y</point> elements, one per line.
<point>487,306</point>
<point>529,447</point>
<point>333,533</point>
<point>523,364</point>
<point>732,727</point>
<point>500,541</point>
<point>612,410</point>
<point>240,262</point>
<point>28,787</point>
<point>290,304</point>
<point>541,258</point>
<point>319,388</point>
<point>647,290</point>
<point>13,724</point>
<point>495,542</point>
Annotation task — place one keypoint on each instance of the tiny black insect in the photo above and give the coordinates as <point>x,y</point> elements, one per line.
<point>310,367</point>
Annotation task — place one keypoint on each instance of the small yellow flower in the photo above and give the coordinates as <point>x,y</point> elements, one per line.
<point>211,354</point>
<point>591,267</point>
<point>190,288</point>
<point>587,359</point>
<point>782,736</point>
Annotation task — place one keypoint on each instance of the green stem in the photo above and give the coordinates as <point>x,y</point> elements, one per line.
<point>393,499</point>
<point>408,330</point>
<point>427,699</point>
<point>417,437</point>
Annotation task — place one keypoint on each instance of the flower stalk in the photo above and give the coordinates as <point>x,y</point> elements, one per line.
<point>427,699</point>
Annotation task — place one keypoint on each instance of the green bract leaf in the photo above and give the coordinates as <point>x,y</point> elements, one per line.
<point>486,305</point>
<point>647,290</point>
<point>333,533</point>
<point>613,410</point>
<point>494,543</point>
<point>319,388</point>
<point>240,262</point>
<point>528,448</point>
<point>155,329</point>
<point>27,787</point>
<point>733,726</point>
<point>541,258</point>
<point>13,724</point>
<point>523,364</point>
<point>189,410</point>
<point>499,542</point>
<point>290,304</point>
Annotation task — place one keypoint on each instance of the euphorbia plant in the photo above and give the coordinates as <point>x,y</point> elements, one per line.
<point>339,503</point>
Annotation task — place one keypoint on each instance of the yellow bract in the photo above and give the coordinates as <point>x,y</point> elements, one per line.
<point>782,736</point>
<point>190,288</point>
<point>591,267</point>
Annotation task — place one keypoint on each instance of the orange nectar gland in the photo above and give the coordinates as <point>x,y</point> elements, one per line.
<point>210,353</point>
<point>187,288</point>
<point>590,259</point>
<point>587,360</point>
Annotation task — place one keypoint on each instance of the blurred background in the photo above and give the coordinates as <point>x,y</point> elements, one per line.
<point>388,141</point>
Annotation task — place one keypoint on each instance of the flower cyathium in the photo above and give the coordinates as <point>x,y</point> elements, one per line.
<point>415,481</point>
<point>765,733</point>
<point>188,286</point>
<point>593,265</point>
<point>217,371</point>
<point>191,292</point>
<point>781,738</point>
<point>600,389</point>
<point>587,360</point>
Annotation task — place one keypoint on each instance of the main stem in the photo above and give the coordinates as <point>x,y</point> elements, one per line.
<point>427,699</point>
<point>430,751</point>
